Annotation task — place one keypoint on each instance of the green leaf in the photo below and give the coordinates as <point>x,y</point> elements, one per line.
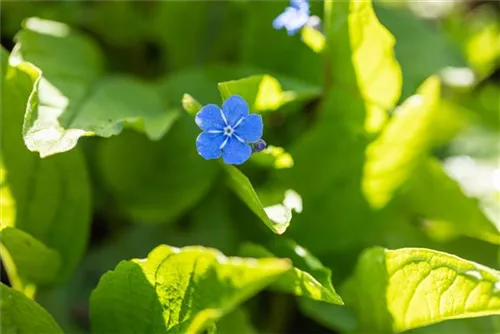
<point>72,100</point>
<point>273,156</point>
<point>402,146</point>
<point>22,315</point>
<point>334,317</point>
<point>362,82</point>
<point>49,199</point>
<point>309,278</point>
<point>177,290</point>
<point>31,259</point>
<point>264,93</point>
<point>396,290</point>
<point>237,321</point>
<point>431,193</point>
<point>243,188</point>
<point>361,59</point>
<point>284,54</point>
<point>418,40</point>
<point>155,182</point>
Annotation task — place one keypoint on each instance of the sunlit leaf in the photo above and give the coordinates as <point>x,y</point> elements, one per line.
<point>72,100</point>
<point>363,83</point>
<point>264,92</point>
<point>313,38</point>
<point>273,156</point>
<point>177,290</point>
<point>361,58</point>
<point>22,315</point>
<point>51,197</point>
<point>435,196</point>
<point>32,261</point>
<point>309,278</point>
<point>396,290</point>
<point>402,146</point>
<point>243,188</point>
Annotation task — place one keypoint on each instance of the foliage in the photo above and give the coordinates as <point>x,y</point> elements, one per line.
<point>374,207</point>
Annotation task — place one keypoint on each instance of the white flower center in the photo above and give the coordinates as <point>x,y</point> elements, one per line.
<point>228,131</point>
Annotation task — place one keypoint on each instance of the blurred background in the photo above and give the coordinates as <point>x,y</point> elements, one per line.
<point>190,46</point>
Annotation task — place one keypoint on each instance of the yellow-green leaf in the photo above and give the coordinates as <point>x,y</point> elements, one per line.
<point>27,260</point>
<point>264,92</point>
<point>47,199</point>
<point>308,278</point>
<point>396,290</point>
<point>177,290</point>
<point>432,194</point>
<point>402,146</point>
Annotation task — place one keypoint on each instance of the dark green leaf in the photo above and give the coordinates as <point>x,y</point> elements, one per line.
<point>22,315</point>
<point>155,182</point>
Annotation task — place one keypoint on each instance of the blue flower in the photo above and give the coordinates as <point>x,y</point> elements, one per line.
<point>294,17</point>
<point>228,131</point>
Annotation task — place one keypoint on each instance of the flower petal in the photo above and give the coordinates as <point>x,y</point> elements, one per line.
<point>301,5</point>
<point>284,18</point>
<point>296,22</point>
<point>208,145</point>
<point>234,108</point>
<point>236,152</point>
<point>210,118</point>
<point>250,129</point>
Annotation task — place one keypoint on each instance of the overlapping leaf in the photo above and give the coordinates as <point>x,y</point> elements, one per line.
<point>72,100</point>
<point>434,195</point>
<point>402,146</point>
<point>177,290</point>
<point>264,92</point>
<point>309,278</point>
<point>49,200</point>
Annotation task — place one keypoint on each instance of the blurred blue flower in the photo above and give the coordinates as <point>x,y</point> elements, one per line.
<point>294,17</point>
<point>228,131</point>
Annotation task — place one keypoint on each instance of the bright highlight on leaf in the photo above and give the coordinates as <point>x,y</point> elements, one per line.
<point>177,290</point>
<point>397,290</point>
<point>73,99</point>
<point>276,218</point>
<point>309,278</point>
<point>265,93</point>
<point>50,198</point>
<point>402,146</point>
